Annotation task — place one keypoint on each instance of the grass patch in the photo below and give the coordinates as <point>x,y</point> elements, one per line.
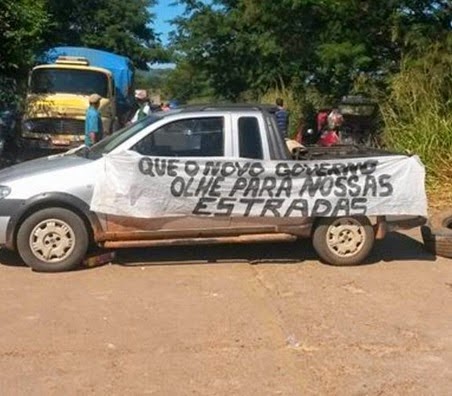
<point>417,116</point>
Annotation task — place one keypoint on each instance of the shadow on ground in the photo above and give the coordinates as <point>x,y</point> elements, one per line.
<point>399,247</point>
<point>395,247</point>
<point>11,259</point>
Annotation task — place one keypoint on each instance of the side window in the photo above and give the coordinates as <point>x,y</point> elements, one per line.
<point>194,137</point>
<point>250,142</point>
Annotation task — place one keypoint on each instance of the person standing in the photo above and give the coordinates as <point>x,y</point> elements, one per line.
<point>282,118</point>
<point>93,121</point>
<point>144,109</point>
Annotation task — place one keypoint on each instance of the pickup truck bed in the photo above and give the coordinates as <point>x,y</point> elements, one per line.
<point>313,153</point>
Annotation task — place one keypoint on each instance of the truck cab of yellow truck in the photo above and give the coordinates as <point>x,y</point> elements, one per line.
<point>58,93</point>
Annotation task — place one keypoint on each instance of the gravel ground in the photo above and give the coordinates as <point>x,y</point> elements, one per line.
<point>229,320</point>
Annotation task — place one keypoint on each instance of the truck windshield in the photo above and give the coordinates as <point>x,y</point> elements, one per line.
<point>81,82</point>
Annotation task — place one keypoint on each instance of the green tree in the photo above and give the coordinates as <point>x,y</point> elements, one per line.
<point>256,45</point>
<point>153,79</point>
<point>417,110</point>
<point>123,27</point>
<point>22,23</point>
<point>208,42</point>
<point>186,83</point>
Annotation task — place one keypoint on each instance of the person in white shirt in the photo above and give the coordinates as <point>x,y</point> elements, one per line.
<point>144,109</point>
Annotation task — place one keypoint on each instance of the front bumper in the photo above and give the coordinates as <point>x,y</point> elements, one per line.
<point>50,144</point>
<point>10,209</point>
<point>4,220</point>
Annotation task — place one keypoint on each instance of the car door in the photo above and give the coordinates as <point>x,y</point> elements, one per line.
<point>185,137</point>
<point>251,142</point>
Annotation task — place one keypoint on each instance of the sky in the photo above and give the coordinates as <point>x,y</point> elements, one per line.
<point>164,11</point>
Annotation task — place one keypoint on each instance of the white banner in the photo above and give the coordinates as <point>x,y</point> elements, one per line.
<point>138,186</point>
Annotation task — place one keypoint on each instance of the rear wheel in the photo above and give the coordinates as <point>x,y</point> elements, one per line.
<point>53,240</point>
<point>343,240</point>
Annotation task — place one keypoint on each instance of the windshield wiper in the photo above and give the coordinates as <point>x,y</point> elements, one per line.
<point>82,152</point>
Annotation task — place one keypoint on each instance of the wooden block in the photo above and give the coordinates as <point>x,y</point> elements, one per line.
<point>99,258</point>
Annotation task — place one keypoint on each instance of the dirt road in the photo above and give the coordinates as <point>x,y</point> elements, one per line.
<point>287,325</point>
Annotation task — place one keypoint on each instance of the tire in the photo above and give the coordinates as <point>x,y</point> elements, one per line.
<point>343,241</point>
<point>437,234</point>
<point>62,229</point>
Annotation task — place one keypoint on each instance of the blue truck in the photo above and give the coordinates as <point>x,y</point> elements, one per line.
<point>59,88</point>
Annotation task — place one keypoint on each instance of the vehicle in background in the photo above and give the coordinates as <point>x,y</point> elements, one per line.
<point>357,124</point>
<point>9,125</point>
<point>174,104</point>
<point>58,92</point>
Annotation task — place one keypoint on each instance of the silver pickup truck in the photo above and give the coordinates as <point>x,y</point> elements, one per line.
<point>45,204</point>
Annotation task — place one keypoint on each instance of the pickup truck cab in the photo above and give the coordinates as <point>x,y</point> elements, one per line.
<point>46,212</point>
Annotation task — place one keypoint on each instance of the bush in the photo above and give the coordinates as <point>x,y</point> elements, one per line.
<point>417,111</point>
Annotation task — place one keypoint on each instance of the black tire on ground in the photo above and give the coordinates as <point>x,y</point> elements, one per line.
<point>343,241</point>
<point>53,240</point>
<point>437,234</point>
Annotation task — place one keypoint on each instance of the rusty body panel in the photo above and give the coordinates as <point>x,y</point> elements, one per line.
<point>256,238</point>
<point>136,232</point>
<point>120,228</point>
<point>381,227</point>
<point>241,221</point>
<point>180,223</point>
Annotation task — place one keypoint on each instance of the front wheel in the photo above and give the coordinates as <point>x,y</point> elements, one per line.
<point>343,240</point>
<point>52,240</point>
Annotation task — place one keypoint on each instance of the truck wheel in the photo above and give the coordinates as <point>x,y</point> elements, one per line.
<point>343,240</point>
<point>53,240</point>
<point>437,234</point>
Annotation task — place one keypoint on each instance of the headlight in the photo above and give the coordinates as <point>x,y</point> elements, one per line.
<point>4,191</point>
<point>28,125</point>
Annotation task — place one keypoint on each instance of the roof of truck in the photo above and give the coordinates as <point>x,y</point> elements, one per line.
<point>96,57</point>
<point>229,107</point>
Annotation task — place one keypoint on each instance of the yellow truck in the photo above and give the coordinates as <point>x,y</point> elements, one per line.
<point>59,88</point>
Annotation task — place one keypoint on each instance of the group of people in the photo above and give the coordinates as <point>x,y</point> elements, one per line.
<point>144,106</point>
<point>93,121</point>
